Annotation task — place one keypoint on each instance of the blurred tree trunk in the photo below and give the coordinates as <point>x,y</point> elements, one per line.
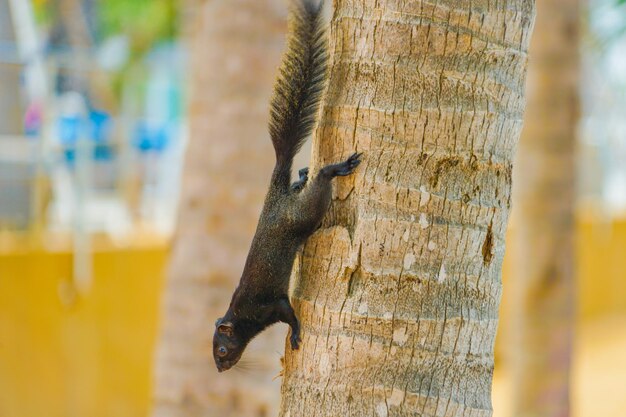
<point>72,30</point>
<point>542,277</point>
<point>398,292</point>
<point>235,49</point>
<point>11,111</point>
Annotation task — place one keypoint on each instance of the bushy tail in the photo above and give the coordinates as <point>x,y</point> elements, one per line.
<point>300,82</point>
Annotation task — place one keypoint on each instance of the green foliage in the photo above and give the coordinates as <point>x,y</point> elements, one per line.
<point>145,22</point>
<point>43,14</point>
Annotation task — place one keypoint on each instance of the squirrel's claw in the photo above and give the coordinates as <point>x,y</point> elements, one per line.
<point>295,341</point>
<point>349,165</point>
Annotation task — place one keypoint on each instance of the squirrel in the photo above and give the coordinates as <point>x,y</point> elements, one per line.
<point>291,212</point>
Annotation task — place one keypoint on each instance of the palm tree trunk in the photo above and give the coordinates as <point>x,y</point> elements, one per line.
<point>542,278</point>
<point>235,50</point>
<point>398,292</point>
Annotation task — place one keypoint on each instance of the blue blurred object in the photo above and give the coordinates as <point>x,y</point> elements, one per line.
<point>100,153</point>
<point>97,129</point>
<point>158,128</point>
<point>100,126</point>
<point>69,129</point>
<point>148,137</point>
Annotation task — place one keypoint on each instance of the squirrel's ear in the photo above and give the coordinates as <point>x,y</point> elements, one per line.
<point>226,328</point>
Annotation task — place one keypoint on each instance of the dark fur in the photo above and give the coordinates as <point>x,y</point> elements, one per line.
<point>292,212</point>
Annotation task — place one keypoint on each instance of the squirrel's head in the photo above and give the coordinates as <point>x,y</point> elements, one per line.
<point>227,347</point>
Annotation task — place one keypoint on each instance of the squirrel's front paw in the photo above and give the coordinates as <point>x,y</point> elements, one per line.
<point>349,165</point>
<point>295,341</point>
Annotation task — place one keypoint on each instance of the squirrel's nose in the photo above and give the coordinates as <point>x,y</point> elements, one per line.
<point>222,366</point>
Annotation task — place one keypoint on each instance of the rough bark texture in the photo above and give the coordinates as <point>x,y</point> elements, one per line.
<point>235,50</point>
<point>398,292</point>
<point>542,278</point>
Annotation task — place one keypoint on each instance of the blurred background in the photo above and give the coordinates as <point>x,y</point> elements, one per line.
<point>108,184</point>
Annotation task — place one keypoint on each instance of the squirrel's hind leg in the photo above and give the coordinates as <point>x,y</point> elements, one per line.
<point>304,177</point>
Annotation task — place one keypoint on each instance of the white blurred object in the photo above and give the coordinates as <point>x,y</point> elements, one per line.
<point>103,213</point>
<point>113,53</point>
<point>615,191</point>
<point>29,46</point>
<point>71,104</point>
<point>602,155</point>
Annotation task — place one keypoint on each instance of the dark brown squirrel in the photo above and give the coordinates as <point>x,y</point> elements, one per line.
<point>292,212</point>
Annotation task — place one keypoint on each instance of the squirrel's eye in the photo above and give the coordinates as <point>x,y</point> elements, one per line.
<point>221,351</point>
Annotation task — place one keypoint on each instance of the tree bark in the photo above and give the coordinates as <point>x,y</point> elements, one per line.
<point>542,278</point>
<point>235,50</point>
<point>398,292</point>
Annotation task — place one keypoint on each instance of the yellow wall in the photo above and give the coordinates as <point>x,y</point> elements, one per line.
<point>601,266</point>
<point>89,358</point>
